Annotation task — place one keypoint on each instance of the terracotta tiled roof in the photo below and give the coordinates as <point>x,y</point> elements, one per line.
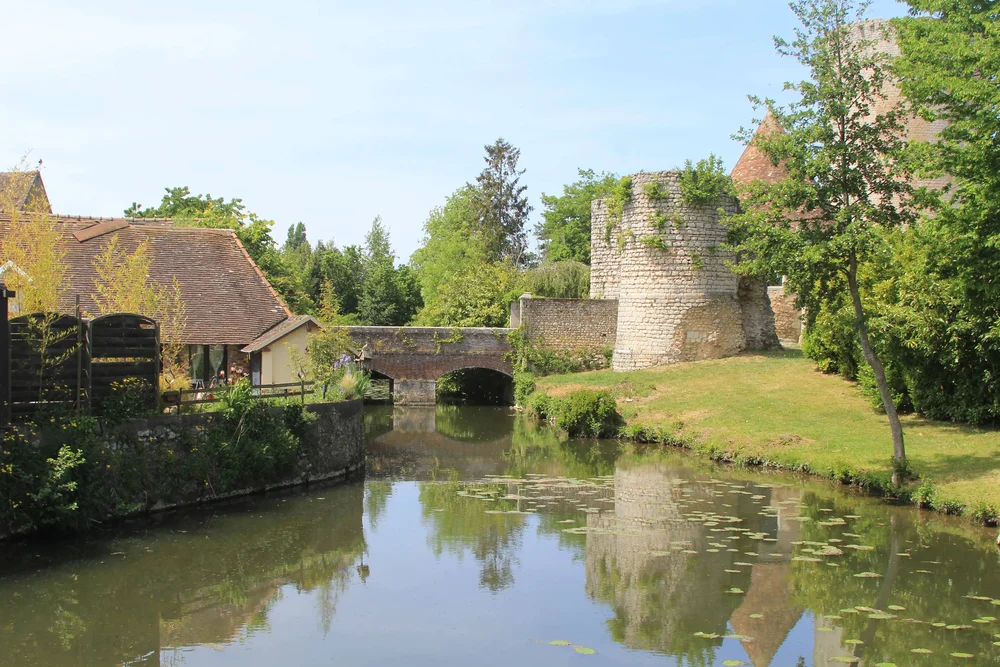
<point>280,331</point>
<point>754,165</point>
<point>228,300</point>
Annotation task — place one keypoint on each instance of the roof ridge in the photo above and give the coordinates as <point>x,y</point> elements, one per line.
<point>260,273</point>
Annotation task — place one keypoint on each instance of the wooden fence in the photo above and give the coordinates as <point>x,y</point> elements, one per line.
<point>213,394</point>
<point>66,363</point>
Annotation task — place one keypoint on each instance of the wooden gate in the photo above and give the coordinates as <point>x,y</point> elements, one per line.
<point>123,347</point>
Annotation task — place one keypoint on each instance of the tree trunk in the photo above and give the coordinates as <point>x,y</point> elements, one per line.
<point>898,450</point>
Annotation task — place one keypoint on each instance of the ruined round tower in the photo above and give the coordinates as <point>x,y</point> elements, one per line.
<point>664,262</point>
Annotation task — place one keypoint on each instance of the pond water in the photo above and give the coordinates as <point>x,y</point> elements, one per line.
<point>476,538</point>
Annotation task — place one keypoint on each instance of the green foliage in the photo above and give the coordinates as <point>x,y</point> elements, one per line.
<point>655,191</point>
<point>70,472</point>
<point>697,263</point>
<point>582,414</point>
<point>564,233</point>
<point>655,243</point>
<point>659,221</point>
<point>130,398</point>
<point>559,280</point>
<point>542,406</point>
<point>619,195</point>
<point>475,296</point>
<point>843,147</point>
<point>502,206</point>
<point>524,387</point>
<point>703,183</point>
<point>389,296</point>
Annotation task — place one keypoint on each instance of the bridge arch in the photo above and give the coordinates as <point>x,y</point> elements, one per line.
<point>415,358</point>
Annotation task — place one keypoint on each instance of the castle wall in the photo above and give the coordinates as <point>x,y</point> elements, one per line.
<point>677,302</point>
<point>605,260</point>
<point>569,324</point>
<point>787,318</point>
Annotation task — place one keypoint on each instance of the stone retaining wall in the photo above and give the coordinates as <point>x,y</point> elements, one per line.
<point>569,324</point>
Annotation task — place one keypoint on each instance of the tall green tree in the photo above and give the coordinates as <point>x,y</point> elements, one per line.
<point>946,314</point>
<point>503,205</point>
<point>389,297</point>
<point>843,147</point>
<point>450,243</point>
<point>564,232</point>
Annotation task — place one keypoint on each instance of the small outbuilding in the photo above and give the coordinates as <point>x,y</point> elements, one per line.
<point>275,355</point>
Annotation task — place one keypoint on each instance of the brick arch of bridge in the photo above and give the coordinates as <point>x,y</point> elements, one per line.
<point>415,358</point>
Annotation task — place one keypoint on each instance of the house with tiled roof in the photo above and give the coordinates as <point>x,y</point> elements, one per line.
<point>234,317</point>
<point>25,191</point>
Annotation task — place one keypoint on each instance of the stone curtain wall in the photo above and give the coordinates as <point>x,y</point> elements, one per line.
<point>787,318</point>
<point>678,302</point>
<point>605,260</point>
<point>570,324</point>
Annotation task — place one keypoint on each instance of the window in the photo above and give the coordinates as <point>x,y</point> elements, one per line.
<point>208,362</point>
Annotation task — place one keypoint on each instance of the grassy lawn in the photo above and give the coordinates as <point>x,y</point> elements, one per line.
<point>777,409</point>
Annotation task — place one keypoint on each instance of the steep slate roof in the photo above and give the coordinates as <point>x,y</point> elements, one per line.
<point>228,299</point>
<point>28,184</point>
<point>280,331</point>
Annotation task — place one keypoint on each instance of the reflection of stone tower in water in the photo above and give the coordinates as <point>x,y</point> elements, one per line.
<point>661,595</point>
<point>664,262</point>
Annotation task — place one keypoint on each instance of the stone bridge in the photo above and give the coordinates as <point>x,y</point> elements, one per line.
<point>414,358</point>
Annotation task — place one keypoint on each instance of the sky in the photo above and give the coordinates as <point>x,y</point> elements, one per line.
<point>332,113</point>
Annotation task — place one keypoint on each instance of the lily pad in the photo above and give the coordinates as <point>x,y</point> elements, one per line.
<point>896,607</point>
<point>584,650</point>
<point>962,655</point>
<point>846,659</point>
<point>868,575</point>
<point>733,663</point>
<point>921,651</point>
<point>559,642</point>
<point>756,615</point>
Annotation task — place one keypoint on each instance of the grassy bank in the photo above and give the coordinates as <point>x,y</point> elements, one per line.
<point>776,409</point>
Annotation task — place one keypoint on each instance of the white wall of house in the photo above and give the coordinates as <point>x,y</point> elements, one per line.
<point>276,360</point>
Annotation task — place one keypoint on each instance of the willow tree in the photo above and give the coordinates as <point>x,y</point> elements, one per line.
<point>842,144</point>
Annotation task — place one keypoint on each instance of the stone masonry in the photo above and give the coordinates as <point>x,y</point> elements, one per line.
<point>677,299</point>
<point>569,324</point>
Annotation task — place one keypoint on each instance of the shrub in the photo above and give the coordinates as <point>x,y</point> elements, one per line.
<point>925,495</point>
<point>542,406</point>
<point>589,413</point>
<point>129,399</point>
<point>353,384</point>
<point>524,387</point>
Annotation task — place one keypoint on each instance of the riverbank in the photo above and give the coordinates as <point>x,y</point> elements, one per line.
<point>776,410</point>
<point>78,472</point>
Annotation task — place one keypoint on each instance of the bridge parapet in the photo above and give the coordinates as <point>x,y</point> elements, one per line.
<point>415,357</point>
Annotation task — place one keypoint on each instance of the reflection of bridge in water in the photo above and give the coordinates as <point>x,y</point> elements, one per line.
<point>418,442</point>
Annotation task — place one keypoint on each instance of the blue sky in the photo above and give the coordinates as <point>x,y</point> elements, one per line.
<point>334,112</point>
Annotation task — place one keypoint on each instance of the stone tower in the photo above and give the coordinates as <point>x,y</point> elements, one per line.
<point>664,263</point>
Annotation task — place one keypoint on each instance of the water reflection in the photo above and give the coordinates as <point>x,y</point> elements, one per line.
<point>478,538</point>
<point>208,580</point>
